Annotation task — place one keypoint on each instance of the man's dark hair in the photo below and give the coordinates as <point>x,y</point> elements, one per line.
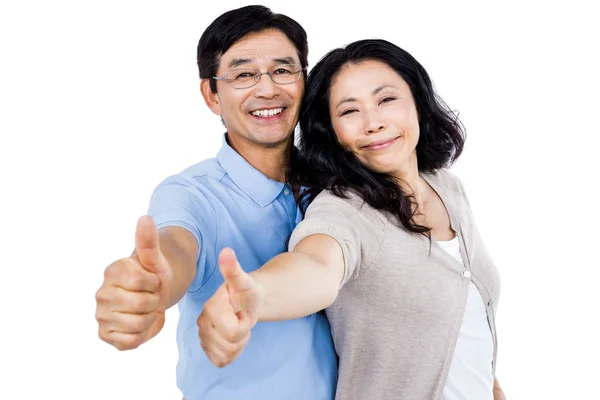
<point>233,25</point>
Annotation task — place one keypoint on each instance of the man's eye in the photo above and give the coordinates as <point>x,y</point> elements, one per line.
<point>282,71</point>
<point>244,75</point>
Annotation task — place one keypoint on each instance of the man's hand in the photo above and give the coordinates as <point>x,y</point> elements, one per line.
<point>131,303</point>
<point>229,315</point>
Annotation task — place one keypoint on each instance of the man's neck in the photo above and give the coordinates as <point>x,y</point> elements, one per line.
<point>270,161</point>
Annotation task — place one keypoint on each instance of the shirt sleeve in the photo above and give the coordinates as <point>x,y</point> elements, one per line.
<point>178,202</point>
<point>336,217</point>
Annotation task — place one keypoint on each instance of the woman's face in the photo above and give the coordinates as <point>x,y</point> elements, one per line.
<point>374,116</point>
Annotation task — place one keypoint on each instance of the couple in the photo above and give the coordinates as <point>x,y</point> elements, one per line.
<point>362,221</point>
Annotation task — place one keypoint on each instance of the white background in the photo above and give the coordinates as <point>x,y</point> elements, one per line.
<point>99,102</point>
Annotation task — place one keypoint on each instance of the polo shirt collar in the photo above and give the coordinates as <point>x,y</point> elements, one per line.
<point>251,181</point>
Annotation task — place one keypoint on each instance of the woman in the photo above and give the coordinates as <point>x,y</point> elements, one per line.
<point>388,245</point>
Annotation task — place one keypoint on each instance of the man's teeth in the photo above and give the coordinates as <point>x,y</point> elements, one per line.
<point>267,113</point>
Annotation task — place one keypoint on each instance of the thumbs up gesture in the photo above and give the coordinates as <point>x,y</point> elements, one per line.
<point>131,303</point>
<point>230,314</point>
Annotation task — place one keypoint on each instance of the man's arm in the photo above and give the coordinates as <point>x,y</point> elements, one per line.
<point>180,250</point>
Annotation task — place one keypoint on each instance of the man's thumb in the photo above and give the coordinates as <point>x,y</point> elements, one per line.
<point>147,246</point>
<point>150,257</point>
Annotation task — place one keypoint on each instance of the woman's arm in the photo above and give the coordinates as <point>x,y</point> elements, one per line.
<point>300,282</point>
<point>291,285</point>
<point>498,393</point>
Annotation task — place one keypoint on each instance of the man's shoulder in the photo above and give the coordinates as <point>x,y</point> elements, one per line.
<point>205,170</point>
<point>202,175</point>
<point>198,182</point>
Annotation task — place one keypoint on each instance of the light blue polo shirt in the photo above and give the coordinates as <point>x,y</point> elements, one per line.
<point>225,202</point>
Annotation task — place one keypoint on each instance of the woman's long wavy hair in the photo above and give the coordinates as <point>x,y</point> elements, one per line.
<point>323,164</point>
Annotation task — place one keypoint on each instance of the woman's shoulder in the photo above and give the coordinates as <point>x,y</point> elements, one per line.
<point>347,199</point>
<point>345,196</point>
<point>445,180</point>
<point>347,202</point>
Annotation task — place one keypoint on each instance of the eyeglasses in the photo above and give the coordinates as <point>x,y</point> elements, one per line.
<point>243,78</point>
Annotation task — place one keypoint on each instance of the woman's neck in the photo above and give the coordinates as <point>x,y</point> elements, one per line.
<point>411,183</point>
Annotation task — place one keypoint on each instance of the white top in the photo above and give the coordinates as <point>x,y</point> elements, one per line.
<point>470,376</point>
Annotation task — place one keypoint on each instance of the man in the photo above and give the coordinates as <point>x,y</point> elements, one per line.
<point>252,66</point>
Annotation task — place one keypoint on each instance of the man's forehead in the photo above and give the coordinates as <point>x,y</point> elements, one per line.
<point>270,47</point>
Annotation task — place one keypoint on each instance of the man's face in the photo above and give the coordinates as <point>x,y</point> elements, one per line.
<point>264,114</point>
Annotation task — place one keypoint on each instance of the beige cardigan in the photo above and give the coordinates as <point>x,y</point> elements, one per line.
<point>397,316</point>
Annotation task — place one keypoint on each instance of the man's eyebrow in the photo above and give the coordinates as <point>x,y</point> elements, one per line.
<point>236,62</point>
<point>285,60</point>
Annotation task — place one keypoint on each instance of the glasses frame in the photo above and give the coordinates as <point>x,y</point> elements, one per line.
<point>257,77</point>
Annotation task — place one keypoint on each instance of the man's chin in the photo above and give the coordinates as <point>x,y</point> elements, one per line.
<point>274,141</point>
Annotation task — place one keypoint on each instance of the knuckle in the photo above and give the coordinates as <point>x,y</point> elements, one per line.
<point>103,335</point>
<point>99,315</point>
<point>201,319</point>
<point>100,296</point>
<point>138,303</point>
<point>234,334</point>
<point>223,362</point>
<point>235,349</point>
<point>131,342</point>
<point>231,337</point>
<point>108,272</point>
<point>103,297</point>
<point>114,268</point>
<point>218,363</point>
<point>212,357</point>
<point>205,320</point>
<point>122,346</point>
<point>137,323</point>
<point>205,348</point>
<point>132,279</point>
<point>230,353</point>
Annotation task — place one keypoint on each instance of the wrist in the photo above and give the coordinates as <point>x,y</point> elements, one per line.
<point>259,305</point>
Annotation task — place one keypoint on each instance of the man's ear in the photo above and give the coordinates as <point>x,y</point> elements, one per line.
<point>211,99</point>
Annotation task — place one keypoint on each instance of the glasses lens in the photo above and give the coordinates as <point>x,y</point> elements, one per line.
<point>241,78</point>
<point>285,74</point>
